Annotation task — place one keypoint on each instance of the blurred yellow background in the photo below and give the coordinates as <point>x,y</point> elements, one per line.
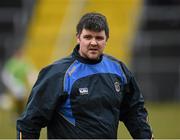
<point>52,30</point>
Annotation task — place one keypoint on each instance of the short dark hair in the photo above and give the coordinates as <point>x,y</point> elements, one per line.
<point>93,21</point>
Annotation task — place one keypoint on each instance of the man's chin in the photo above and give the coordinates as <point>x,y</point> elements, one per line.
<point>93,57</point>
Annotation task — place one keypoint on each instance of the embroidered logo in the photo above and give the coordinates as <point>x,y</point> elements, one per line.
<point>83,91</point>
<point>117,86</point>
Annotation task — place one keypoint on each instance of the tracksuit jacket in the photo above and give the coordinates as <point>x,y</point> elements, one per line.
<point>80,98</point>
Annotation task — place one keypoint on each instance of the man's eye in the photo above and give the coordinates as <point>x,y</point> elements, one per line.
<point>99,38</point>
<point>87,37</point>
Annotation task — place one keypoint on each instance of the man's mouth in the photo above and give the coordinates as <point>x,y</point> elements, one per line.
<point>93,49</point>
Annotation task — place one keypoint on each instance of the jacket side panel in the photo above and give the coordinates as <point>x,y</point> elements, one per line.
<point>133,113</point>
<point>42,102</point>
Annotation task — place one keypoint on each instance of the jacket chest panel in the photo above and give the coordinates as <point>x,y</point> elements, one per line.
<point>98,90</point>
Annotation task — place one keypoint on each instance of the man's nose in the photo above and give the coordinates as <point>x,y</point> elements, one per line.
<point>93,41</point>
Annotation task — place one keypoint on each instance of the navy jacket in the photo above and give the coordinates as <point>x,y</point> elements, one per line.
<point>80,98</point>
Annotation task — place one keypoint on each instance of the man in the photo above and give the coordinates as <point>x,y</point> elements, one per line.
<point>86,94</point>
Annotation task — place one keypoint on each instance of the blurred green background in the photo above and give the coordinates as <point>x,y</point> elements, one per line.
<point>163,117</point>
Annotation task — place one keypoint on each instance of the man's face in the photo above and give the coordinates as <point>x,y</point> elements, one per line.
<point>91,43</point>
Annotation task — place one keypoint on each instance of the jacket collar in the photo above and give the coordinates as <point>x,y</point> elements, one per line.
<point>82,59</point>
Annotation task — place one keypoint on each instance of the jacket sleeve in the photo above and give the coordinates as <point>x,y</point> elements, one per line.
<point>132,112</point>
<point>41,105</point>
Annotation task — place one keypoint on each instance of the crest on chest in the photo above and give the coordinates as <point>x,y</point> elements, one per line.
<point>117,86</point>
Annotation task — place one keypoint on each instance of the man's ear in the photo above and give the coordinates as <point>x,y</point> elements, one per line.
<point>78,38</point>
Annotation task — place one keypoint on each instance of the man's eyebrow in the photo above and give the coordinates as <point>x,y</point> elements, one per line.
<point>99,36</point>
<point>87,35</point>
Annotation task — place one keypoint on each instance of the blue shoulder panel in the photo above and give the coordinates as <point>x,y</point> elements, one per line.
<point>79,70</point>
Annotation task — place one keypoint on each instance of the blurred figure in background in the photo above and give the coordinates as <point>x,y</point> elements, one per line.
<point>18,76</point>
<point>2,86</point>
<point>2,94</point>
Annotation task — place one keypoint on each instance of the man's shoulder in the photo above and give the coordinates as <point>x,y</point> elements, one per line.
<point>59,67</point>
<point>113,59</point>
<point>63,63</point>
<point>117,61</point>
